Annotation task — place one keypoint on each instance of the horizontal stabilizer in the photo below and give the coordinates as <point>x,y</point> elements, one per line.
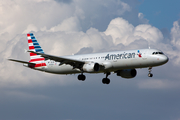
<point>22,62</point>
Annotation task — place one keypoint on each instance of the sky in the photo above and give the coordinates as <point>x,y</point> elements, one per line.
<point>162,13</point>
<point>65,27</point>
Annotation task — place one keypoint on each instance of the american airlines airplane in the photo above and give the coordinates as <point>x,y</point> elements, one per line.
<point>123,63</point>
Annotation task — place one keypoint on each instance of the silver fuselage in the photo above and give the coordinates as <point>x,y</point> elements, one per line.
<point>117,60</point>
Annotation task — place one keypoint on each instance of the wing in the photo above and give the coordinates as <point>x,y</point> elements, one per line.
<point>73,62</point>
<point>22,61</point>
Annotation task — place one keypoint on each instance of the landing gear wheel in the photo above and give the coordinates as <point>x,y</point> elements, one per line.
<point>105,80</point>
<point>81,77</point>
<point>150,75</point>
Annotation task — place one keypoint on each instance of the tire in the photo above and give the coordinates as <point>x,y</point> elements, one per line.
<point>150,75</point>
<point>83,77</point>
<point>105,80</point>
<point>79,77</point>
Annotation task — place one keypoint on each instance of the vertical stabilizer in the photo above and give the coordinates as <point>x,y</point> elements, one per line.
<point>34,46</point>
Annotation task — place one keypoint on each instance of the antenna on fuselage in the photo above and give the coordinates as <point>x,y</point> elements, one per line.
<point>149,45</point>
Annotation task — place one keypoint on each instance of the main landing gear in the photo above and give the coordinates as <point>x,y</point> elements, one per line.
<point>81,77</point>
<point>106,80</point>
<point>150,74</point>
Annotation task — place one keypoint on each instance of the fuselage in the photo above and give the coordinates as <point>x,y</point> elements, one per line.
<point>113,61</point>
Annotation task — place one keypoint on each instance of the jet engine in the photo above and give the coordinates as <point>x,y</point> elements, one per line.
<point>91,67</point>
<point>127,73</point>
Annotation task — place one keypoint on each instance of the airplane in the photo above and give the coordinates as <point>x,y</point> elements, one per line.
<point>123,63</point>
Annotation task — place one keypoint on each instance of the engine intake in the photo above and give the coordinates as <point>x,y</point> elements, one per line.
<point>91,67</point>
<point>127,73</point>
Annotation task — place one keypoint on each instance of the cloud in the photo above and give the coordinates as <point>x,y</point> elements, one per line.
<point>79,27</point>
<point>142,19</point>
<point>85,50</point>
<point>64,1</point>
<point>124,32</point>
<point>25,16</point>
<point>175,36</point>
<point>30,27</point>
<point>119,35</point>
<point>70,24</point>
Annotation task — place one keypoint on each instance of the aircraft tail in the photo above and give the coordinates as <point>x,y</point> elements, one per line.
<point>34,46</point>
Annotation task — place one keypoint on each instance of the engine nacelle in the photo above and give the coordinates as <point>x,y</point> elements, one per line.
<point>127,73</point>
<point>91,67</point>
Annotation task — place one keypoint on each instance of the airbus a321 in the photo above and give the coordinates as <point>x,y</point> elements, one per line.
<point>123,63</point>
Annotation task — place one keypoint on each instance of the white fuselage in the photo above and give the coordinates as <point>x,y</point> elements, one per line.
<point>113,61</point>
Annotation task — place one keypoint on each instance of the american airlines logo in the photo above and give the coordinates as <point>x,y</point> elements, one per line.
<point>119,56</point>
<point>139,54</point>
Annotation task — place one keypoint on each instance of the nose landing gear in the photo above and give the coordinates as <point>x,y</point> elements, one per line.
<point>150,74</point>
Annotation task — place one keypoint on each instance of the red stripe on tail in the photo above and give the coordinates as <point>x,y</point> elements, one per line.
<point>32,54</point>
<point>37,65</point>
<point>37,59</point>
<point>40,65</point>
<point>31,47</point>
<point>29,41</point>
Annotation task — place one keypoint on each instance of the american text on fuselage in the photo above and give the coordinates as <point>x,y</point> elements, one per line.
<point>119,56</point>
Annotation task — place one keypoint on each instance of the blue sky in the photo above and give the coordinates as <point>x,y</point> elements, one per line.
<point>161,13</point>
<point>66,27</point>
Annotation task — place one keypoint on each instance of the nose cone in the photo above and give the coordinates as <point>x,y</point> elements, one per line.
<point>164,59</point>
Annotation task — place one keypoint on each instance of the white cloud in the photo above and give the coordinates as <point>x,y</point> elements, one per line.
<point>120,30</point>
<point>70,24</point>
<point>175,35</point>
<point>60,27</point>
<point>55,42</point>
<point>124,32</point>
<point>30,28</point>
<point>149,33</point>
<point>18,15</point>
<point>142,19</point>
<point>125,7</point>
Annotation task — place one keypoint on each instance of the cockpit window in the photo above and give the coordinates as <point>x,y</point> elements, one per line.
<point>155,53</point>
